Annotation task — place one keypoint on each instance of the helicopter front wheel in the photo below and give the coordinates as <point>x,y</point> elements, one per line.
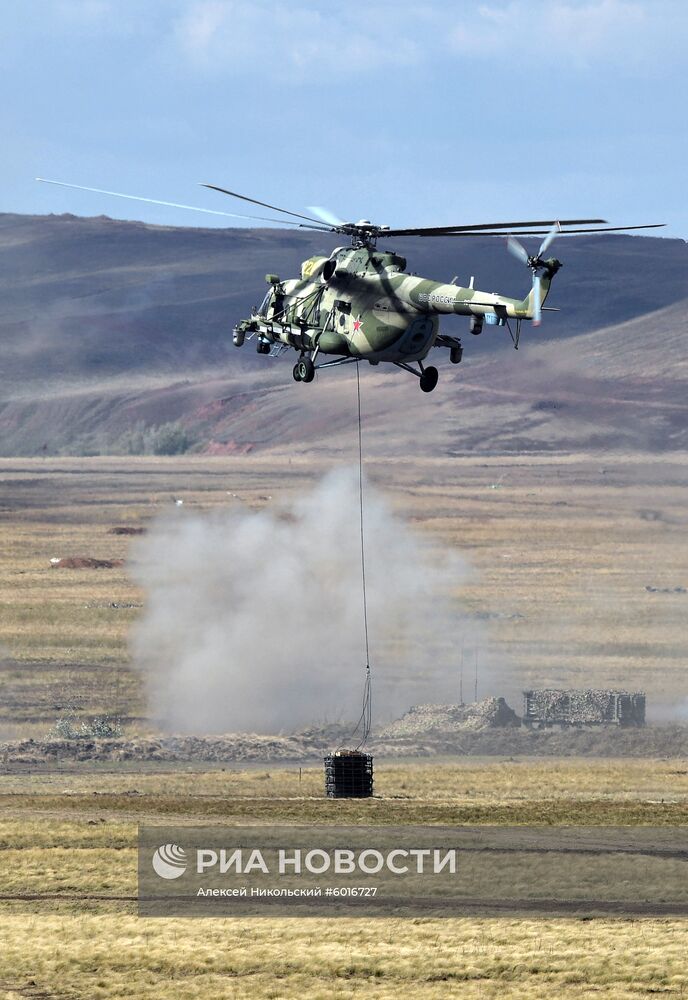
<point>295,372</point>
<point>304,370</point>
<point>428,379</point>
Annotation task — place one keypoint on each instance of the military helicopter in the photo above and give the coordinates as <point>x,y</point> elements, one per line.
<point>359,304</point>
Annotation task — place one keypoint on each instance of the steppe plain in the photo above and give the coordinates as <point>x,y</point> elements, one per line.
<point>558,472</point>
<point>563,547</point>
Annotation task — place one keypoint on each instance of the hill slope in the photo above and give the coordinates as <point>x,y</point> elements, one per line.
<point>87,298</point>
<point>108,326</point>
<point>622,387</point>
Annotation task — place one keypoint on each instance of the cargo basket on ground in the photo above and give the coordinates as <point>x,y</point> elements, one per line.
<point>348,775</point>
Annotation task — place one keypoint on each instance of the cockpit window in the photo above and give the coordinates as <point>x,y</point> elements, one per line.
<point>265,304</point>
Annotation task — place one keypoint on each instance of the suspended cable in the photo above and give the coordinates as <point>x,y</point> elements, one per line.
<point>364,723</point>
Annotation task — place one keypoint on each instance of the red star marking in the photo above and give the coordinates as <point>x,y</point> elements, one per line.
<point>357,324</point>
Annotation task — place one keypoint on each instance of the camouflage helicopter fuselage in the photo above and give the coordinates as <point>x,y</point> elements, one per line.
<point>359,304</point>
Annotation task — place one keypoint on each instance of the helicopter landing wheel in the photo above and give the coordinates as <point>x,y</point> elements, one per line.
<point>306,370</point>
<point>428,379</point>
<point>295,372</point>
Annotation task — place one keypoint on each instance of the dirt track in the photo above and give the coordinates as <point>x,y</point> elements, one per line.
<point>651,741</point>
<point>467,907</point>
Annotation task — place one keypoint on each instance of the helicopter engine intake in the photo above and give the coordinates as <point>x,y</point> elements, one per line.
<point>328,270</point>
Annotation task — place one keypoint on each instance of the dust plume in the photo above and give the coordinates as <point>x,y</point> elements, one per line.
<point>253,620</point>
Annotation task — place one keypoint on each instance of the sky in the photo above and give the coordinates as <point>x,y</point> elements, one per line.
<point>408,114</point>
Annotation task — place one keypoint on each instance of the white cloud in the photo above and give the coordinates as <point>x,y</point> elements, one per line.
<point>198,28</point>
<point>580,33</point>
<point>84,11</point>
<point>100,17</point>
<point>270,37</point>
<point>275,38</point>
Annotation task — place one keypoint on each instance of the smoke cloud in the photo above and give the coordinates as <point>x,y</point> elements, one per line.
<point>254,620</point>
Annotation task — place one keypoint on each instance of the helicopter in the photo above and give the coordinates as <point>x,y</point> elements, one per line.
<point>359,304</point>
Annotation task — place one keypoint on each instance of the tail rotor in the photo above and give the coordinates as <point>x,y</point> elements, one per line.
<point>536,263</point>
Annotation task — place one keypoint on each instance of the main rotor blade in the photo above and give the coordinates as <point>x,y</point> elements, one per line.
<point>450,230</point>
<point>564,232</point>
<point>605,229</point>
<point>325,215</point>
<point>264,204</point>
<point>168,204</point>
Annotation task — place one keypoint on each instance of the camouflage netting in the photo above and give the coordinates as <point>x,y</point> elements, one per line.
<point>588,706</point>
<point>486,714</point>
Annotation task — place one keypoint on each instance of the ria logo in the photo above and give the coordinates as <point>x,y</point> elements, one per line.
<point>169,861</point>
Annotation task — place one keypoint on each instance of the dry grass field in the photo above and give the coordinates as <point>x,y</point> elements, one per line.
<point>101,957</point>
<point>67,916</point>
<point>562,548</point>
